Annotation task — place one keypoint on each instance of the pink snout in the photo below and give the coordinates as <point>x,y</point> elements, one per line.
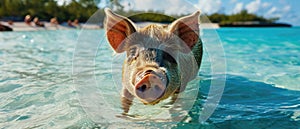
<point>150,88</point>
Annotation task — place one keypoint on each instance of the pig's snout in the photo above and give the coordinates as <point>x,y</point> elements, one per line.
<point>150,86</point>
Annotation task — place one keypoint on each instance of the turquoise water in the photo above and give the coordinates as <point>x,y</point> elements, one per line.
<point>38,88</point>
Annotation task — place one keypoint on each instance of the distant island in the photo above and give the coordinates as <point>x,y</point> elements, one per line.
<point>245,19</point>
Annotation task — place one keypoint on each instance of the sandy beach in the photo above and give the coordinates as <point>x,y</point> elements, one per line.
<point>21,26</point>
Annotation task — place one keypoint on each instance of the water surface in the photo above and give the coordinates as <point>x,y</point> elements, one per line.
<point>37,87</point>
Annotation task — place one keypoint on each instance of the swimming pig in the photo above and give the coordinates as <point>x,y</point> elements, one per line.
<point>160,61</point>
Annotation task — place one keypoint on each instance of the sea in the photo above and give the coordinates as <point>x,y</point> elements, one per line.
<point>249,79</point>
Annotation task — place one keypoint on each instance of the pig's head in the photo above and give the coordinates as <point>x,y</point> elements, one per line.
<point>151,70</point>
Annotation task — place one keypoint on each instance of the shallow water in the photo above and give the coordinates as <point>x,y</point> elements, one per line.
<point>37,88</point>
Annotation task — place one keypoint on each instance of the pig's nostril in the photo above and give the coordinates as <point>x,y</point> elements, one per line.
<point>156,87</point>
<point>142,88</point>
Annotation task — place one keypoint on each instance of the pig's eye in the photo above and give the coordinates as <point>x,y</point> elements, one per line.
<point>132,53</point>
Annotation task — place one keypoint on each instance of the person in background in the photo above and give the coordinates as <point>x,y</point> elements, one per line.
<point>70,23</point>
<point>53,21</point>
<point>37,22</point>
<point>27,20</point>
<point>10,22</point>
<point>76,23</point>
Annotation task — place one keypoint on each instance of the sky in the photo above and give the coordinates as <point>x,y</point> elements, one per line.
<point>287,10</point>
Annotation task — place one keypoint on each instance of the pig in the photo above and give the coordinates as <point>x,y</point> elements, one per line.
<point>160,60</point>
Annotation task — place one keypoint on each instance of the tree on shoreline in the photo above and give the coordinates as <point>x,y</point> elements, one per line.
<point>46,9</point>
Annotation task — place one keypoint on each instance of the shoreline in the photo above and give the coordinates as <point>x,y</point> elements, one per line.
<point>21,26</point>
<point>255,24</point>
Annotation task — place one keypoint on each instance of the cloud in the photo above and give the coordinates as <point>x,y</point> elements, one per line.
<point>167,6</point>
<point>260,8</point>
<point>238,8</point>
<point>287,8</point>
<point>266,5</point>
<point>210,6</point>
<point>61,2</point>
<point>282,13</point>
<point>233,1</point>
<point>253,7</point>
<point>273,12</point>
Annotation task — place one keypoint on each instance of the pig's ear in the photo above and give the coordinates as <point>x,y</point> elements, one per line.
<point>118,28</point>
<point>187,28</point>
